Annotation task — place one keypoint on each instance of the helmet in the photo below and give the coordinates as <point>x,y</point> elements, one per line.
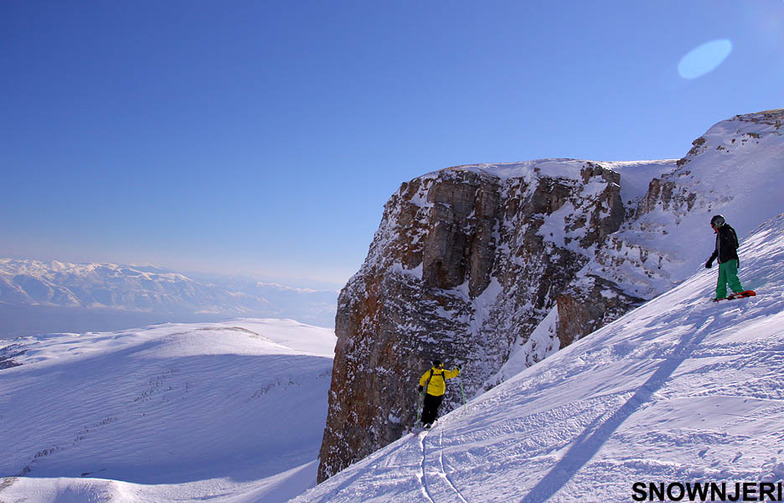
<point>436,363</point>
<point>717,221</point>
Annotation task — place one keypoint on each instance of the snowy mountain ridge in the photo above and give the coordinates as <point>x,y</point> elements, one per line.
<point>680,390</point>
<point>734,168</point>
<point>63,291</point>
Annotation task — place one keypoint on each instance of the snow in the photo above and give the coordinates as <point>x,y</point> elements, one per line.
<point>542,343</point>
<point>554,168</point>
<point>37,297</point>
<point>680,390</point>
<point>734,169</point>
<point>637,175</point>
<point>174,412</point>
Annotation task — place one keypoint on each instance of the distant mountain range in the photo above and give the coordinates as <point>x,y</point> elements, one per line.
<point>56,296</point>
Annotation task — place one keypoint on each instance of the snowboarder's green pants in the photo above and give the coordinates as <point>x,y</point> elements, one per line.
<point>728,273</point>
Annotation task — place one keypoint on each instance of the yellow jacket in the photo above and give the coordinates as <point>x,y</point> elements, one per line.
<point>437,386</point>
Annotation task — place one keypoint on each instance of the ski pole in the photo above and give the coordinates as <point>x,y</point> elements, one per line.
<point>461,390</point>
<point>419,408</point>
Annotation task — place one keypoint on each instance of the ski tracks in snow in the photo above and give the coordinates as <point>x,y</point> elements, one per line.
<point>593,438</point>
<point>422,476</point>
<point>433,476</point>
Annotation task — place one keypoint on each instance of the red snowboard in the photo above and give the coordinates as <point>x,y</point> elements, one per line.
<point>746,293</point>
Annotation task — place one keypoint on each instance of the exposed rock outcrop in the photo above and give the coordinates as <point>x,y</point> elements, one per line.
<point>481,265</point>
<point>467,261</point>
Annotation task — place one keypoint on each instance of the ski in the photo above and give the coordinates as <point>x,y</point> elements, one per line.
<point>420,428</point>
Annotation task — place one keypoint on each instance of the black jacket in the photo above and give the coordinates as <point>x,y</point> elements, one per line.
<point>726,245</point>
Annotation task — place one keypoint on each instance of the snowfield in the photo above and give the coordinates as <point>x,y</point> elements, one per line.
<point>679,391</point>
<point>167,413</point>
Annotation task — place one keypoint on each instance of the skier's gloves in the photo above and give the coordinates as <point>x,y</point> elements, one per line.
<point>420,389</point>
<point>709,264</point>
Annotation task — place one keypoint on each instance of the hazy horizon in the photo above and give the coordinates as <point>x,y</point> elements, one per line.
<point>264,138</point>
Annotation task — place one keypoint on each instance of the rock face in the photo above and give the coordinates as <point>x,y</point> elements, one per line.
<point>483,265</point>
<point>467,262</point>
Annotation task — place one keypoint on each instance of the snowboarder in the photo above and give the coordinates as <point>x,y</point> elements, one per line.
<point>727,254</point>
<point>434,381</point>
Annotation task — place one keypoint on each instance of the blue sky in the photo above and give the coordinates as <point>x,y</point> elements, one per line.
<point>264,137</point>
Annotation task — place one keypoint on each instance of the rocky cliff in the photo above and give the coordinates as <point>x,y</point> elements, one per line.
<point>495,267</point>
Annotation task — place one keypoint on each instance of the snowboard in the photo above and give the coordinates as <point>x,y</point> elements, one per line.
<point>745,293</point>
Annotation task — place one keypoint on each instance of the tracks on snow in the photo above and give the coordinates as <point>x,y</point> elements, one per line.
<point>436,480</point>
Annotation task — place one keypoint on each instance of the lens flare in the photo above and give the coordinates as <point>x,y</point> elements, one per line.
<point>705,58</point>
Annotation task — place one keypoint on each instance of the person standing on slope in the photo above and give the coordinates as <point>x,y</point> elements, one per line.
<point>727,254</point>
<point>435,382</point>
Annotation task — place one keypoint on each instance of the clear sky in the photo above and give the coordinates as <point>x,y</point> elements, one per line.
<point>264,137</point>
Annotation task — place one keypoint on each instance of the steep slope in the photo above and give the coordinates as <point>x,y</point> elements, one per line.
<point>498,266</point>
<point>734,168</point>
<point>171,412</point>
<point>467,261</point>
<point>681,390</point>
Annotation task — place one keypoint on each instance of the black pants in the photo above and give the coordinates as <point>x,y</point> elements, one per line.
<point>430,408</point>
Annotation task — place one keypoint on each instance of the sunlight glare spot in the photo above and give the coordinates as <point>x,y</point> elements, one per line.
<point>704,59</point>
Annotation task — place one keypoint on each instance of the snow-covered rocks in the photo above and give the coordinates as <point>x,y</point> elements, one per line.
<point>468,261</point>
<point>679,391</point>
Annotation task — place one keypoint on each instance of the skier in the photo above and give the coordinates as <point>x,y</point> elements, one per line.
<point>727,253</point>
<point>435,381</point>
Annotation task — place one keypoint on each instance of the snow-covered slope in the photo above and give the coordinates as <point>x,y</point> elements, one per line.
<point>681,390</point>
<point>165,413</point>
<point>735,169</point>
